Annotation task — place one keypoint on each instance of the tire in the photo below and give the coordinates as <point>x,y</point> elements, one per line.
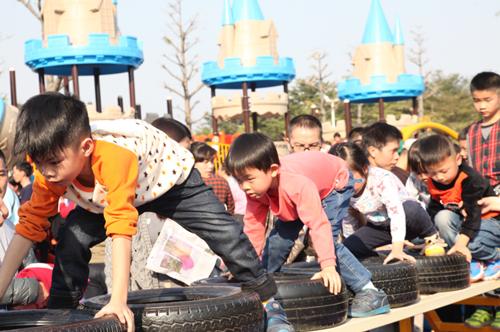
<point>193,309</point>
<point>55,320</point>
<point>442,273</point>
<point>397,280</point>
<point>307,303</point>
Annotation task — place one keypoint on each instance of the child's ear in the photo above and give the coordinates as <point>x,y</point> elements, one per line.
<point>88,146</point>
<point>371,151</point>
<point>274,170</point>
<point>459,159</point>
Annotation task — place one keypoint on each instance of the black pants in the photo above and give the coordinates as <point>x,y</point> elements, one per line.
<point>418,224</point>
<point>194,206</point>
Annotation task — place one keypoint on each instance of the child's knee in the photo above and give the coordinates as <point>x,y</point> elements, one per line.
<point>444,220</point>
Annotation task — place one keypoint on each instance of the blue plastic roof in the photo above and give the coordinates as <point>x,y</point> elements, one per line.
<point>376,30</point>
<point>227,14</point>
<point>246,10</point>
<point>398,34</point>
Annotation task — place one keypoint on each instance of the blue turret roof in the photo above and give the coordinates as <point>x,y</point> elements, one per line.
<point>398,34</point>
<point>376,30</point>
<point>246,10</point>
<point>227,14</point>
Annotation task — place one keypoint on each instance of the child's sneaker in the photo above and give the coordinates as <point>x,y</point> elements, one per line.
<point>476,271</point>
<point>276,318</point>
<point>369,302</point>
<point>496,322</point>
<point>492,270</point>
<point>434,245</point>
<point>479,318</point>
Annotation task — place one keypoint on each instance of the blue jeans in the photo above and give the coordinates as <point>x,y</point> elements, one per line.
<point>284,234</point>
<point>484,246</point>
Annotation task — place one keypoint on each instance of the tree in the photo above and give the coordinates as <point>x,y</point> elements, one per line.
<point>181,43</point>
<point>319,78</point>
<point>52,83</point>
<point>418,58</point>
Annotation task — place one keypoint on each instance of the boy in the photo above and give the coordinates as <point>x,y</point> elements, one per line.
<point>114,172</point>
<point>21,173</point>
<point>484,136</point>
<point>300,189</point>
<point>454,186</point>
<point>381,142</point>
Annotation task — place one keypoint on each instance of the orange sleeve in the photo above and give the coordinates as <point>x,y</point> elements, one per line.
<point>117,169</point>
<point>33,215</point>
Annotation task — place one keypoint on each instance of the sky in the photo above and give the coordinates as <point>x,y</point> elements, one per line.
<point>461,36</point>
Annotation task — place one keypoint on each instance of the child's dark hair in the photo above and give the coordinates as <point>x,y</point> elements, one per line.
<point>462,134</point>
<point>173,128</point>
<point>2,157</point>
<point>379,134</point>
<point>202,152</point>
<point>253,150</point>
<point>25,167</point>
<point>353,155</point>
<point>355,132</point>
<point>414,160</point>
<point>305,121</point>
<point>486,80</point>
<point>48,123</point>
<point>435,148</point>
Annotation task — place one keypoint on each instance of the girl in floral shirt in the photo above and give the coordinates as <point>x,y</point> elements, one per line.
<point>392,215</point>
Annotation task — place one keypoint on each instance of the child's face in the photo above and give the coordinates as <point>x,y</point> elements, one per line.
<point>206,168</point>
<point>255,183</point>
<point>63,168</point>
<point>305,139</point>
<point>445,171</point>
<point>386,157</point>
<point>4,178</point>
<point>486,103</point>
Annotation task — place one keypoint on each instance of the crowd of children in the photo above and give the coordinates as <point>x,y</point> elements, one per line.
<point>352,198</point>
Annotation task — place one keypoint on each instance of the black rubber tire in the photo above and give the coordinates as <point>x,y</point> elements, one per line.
<point>442,273</point>
<point>397,280</point>
<point>192,309</point>
<point>307,303</point>
<point>55,320</point>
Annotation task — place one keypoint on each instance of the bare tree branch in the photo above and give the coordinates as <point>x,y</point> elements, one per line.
<point>181,42</point>
<point>37,12</point>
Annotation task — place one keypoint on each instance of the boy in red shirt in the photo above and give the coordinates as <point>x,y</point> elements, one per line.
<point>300,189</point>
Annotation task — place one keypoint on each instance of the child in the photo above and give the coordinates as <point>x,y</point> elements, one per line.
<point>175,130</point>
<point>204,156</point>
<point>300,189</point>
<point>484,135</point>
<point>114,172</point>
<point>382,142</point>
<point>454,187</point>
<point>416,185</point>
<point>22,174</point>
<point>392,216</point>
<point>305,134</point>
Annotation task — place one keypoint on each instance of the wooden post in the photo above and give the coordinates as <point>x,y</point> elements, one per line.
<point>215,124</point>
<point>347,117</point>
<point>255,116</point>
<point>138,112</point>
<point>66,85</point>
<point>414,109</point>
<point>246,107</point>
<point>74,77</point>
<point>13,87</point>
<point>131,86</point>
<point>287,113</point>
<point>120,102</point>
<point>170,110</point>
<point>381,115</point>
<point>41,80</point>
<point>97,87</point>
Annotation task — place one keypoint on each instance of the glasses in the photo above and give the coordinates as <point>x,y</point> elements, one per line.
<point>306,147</point>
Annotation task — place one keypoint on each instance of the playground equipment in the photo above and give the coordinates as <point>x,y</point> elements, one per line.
<point>248,57</point>
<point>81,38</point>
<point>410,130</point>
<point>378,68</point>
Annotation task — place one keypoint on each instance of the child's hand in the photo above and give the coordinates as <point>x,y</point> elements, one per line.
<point>489,204</point>
<point>331,279</point>
<point>121,311</point>
<point>457,248</point>
<point>397,253</point>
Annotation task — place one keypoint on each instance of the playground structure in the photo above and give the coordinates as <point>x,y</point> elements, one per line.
<point>379,72</point>
<point>248,58</point>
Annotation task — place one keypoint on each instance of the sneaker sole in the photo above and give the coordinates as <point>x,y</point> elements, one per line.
<point>493,277</point>
<point>382,310</point>
<point>478,277</point>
